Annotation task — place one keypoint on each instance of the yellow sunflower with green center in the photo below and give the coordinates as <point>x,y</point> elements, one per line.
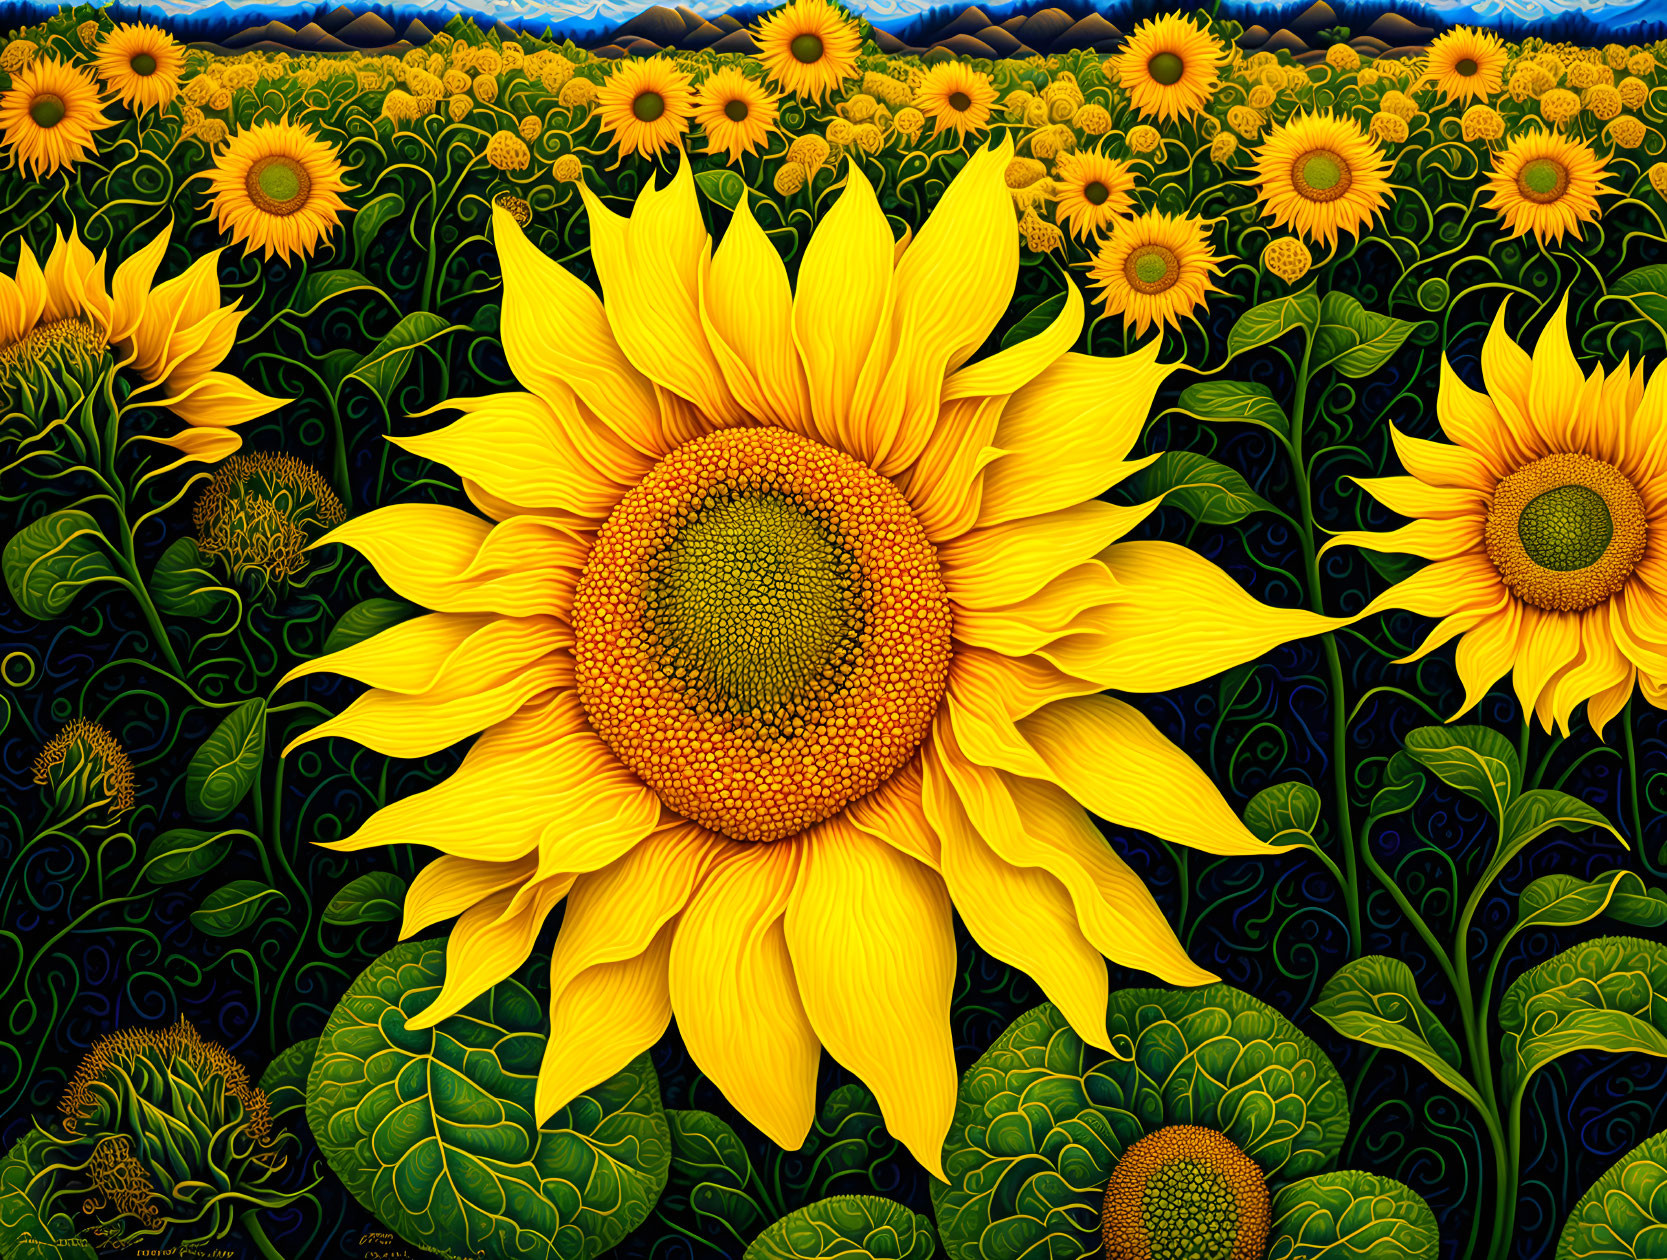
<point>784,627</point>
<point>277,188</point>
<point>809,48</point>
<point>1547,184</point>
<point>646,104</point>
<point>1540,519</point>
<point>736,113</point>
<point>174,335</point>
<point>1320,175</point>
<point>955,96</point>
<point>1467,64</point>
<point>1094,191</point>
<point>141,65</point>
<point>1169,67</point>
<point>49,114</point>
<point>1155,268</point>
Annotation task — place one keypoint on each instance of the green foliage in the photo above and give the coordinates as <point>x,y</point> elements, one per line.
<point>375,897</point>
<point>36,1208</point>
<point>1351,1216</point>
<point>185,853</point>
<point>848,1227</point>
<point>227,765</point>
<point>48,563</point>
<point>1625,1211</point>
<point>285,1080</point>
<point>182,584</point>
<point>229,910</point>
<point>1375,999</point>
<point>1210,493</point>
<point>1272,320</point>
<point>1226,402</point>
<point>1286,813</point>
<point>1354,340</point>
<point>1480,762</point>
<point>709,1164</point>
<point>433,1130</point>
<point>366,618</point>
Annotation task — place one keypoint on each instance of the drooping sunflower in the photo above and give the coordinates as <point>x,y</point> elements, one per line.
<point>1155,268</point>
<point>1169,67</point>
<point>775,664</point>
<point>49,114</point>
<point>1541,520</point>
<point>1467,64</point>
<point>809,48</point>
<point>277,187</point>
<point>737,113</point>
<point>1321,175</point>
<point>646,103</point>
<point>141,64</point>
<point>1546,184</point>
<point>954,95</point>
<point>1094,191</point>
<point>174,335</point>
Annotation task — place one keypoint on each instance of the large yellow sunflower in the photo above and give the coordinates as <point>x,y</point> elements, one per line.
<point>646,103</point>
<point>1155,268</point>
<point>141,65</point>
<point>1546,184</point>
<point>1321,175</point>
<point>736,113</point>
<point>277,187</point>
<point>954,95</point>
<point>809,47</point>
<point>174,335</point>
<point>1542,521</point>
<point>49,114</point>
<point>1169,67</point>
<point>785,626</point>
<point>1467,64</point>
<point>1094,191</point>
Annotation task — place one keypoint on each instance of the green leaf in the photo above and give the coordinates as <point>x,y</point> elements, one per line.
<point>1375,999</point>
<point>847,1227</point>
<point>385,366</point>
<point>850,1137</point>
<point>322,286</point>
<point>1351,1216</point>
<point>48,562</point>
<point>1034,321</point>
<point>1403,784</point>
<point>1286,813</point>
<point>1226,402</point>
<point>33,1224</point>
<point>1539,811</point>
<point>366,618</point>
<point>372,217</point>
<point>1210,493</point>
<point>723,186</point>
<point>1354,340</point>
<point>378,897</point>
<point>335,366</point>
<point>1637,904</point>
<point>182,584</point>
<point>225,767</point>
<point>1563,900</point>
<point>229,910</point>
<point>1646,289</point>
<point>1608,994</point>
<point>1625,1211</point>
<point>1042,1118</point>
<point>709,1164</point>
<point>1478,761</point>
<point>285,1080</point>
<point>1272,320</point>
<point>184,853</point>
<point>1391,566</point>
<point>432,1129</point>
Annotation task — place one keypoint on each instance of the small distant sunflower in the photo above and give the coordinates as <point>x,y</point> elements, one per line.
<point>1094,192</point>
<point>1154,269</point>
<point>49,114</point>
<point>277,187</point>
<point>810,48</point>
<point>1168,67</point>
<point>737,113</point>
<point>1467,64</point>
<point>141,65</point>
<point>646,103</point>
<point>1546,184</point>
<point>955,95</point>
<point>1321,175</point>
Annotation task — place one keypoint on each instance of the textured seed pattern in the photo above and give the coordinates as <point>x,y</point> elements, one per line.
<point>1185,1193</point>
<point>762,632</point>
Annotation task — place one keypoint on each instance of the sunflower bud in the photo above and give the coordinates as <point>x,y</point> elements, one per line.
<point>459,107</point>
<point>809,151</point>
<point>1041,237</point>
<point>577,92</point>
<point>860,108</point>
<point>1602,102</point>
<point>1223,147</point>
<point>17,54</point>
<point>1342,58</point>
<point>1626,132</point>
<point>519,209</point>
<point>259,513</point>
<point>455,82</point>
<point>530,126</point>
<point>568,169</point>
<point>1246,121</point>
<point>1399,104</point>
<point>1642,65</point>
<point>1144,139</point>
<point>790,178</point>
<point>1390,128</point>
<point>1559,106</point>
<point>1658,179</point>
<point>909,121</point>
<point>841,131</point>
<point>1261,96</point>
<point>1093,120</point>
<point>869,138</point>
<point>87,34</point>
<point>485,88</point>
<point>1482,122</point>
<point>1288,258</point>
<point>84,770</point>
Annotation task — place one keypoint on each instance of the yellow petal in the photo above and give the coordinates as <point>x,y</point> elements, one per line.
<point>1472,420</point>
<point>131,285</point>
<point>1506,370</point>
<point>1487,652</point>
<point>1442,463</point>
<point>873,948</point>
<point>407,657</point>
<point>1599,667</point>
<point>735,996</point>
<point>1001,565</point>
<point>174,309</point>
<point>199,349</point>
<point>1549,641</point>
<point>1032,624</point>
<point>945,486</point>
<point>1465,582</point>
<point>1556,385</point>
<point>893,813</point>
<point>196,446</point>
<point>1430,539</point>
<point>1008,371</point>
<point>30,288</point>
<point>219,400</point>
<point>1408,496</point>
<point>1118,765</point>
<point>449,885</point>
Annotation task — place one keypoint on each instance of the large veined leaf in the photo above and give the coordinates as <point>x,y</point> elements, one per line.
<point>1375,999</point>
<point>285,1080</point>
<point>321,286</point>
<point>185,853</point>
<point>1608,994</point>
<point>385,366</point>
<point>1625,1211</point>
<point>1538,811</point>
<point>376,897</point>
<point>710,1166</point>
<point>228,911</point>
<point>1286,813</point>
<point>371,218</point>
<point>1034,321</point>
<point>1226,402</point>
<point>49,562</point>
<point>1403,784</point>
<point>1209,492</point>
<point>1272,320</point>
<point>1349,1215</point>
<point>1563,900</point>
<point>1354,340</point>
<point>1041,1119</point>
<point>182,584</point>
<point>36,1214</point>
<point>847,1227</point>
<point>1477,760</point>
<point>223,770</point>
<point>364,619</point>
<point>723,186</point>
<point>433,1130</point>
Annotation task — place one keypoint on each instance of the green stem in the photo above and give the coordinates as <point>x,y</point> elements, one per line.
<point>130,564</point>
<point>257,1235</point>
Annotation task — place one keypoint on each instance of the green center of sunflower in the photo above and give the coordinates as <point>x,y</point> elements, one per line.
<point>1185,1193</point>
<point>1321,175</point>
<point>47,110</point>
<point>143,64</point>
<point>960,102</point>
<point>648,106</point>
<point>806,49</point>
<point>1565,529</point>
<point>278,184</point>
<point>1166,68</point>
<point>1095,193</point>
<point>1151,268</point>
<point>1466,67</point>
<point>735,111</point>
<point>1542,180</point>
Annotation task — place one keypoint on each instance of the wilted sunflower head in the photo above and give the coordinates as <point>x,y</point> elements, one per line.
<point>260,512</point>
<point>85,770</point>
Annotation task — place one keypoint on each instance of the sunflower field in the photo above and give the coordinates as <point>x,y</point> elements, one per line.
<point>821,653</point>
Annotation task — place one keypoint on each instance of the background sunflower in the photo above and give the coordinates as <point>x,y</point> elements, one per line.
<point>141,64</point>
<point>276,187</point>
<point>49,114</point>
